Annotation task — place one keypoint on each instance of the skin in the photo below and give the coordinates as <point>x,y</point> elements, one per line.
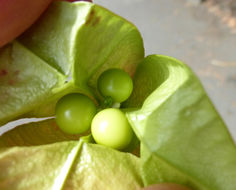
<point>166,186</point>
<point>18,15</point>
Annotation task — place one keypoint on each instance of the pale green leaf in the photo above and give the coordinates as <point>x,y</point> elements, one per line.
<point>64,40</point>
<point>25,81</point>
<point>35,133</point>
<point>68,165</point>
<point>184,135</point>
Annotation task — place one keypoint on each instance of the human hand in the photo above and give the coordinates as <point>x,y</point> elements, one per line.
<point>18,15</point>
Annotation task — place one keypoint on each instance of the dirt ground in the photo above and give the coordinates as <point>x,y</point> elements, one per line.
<point>225,10</point>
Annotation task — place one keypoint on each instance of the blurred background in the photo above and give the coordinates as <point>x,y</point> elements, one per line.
<point>201,33</point>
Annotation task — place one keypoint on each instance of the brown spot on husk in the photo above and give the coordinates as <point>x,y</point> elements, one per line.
<point>90,17</point>
<point>97,20</point>
<point>3,72</point>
